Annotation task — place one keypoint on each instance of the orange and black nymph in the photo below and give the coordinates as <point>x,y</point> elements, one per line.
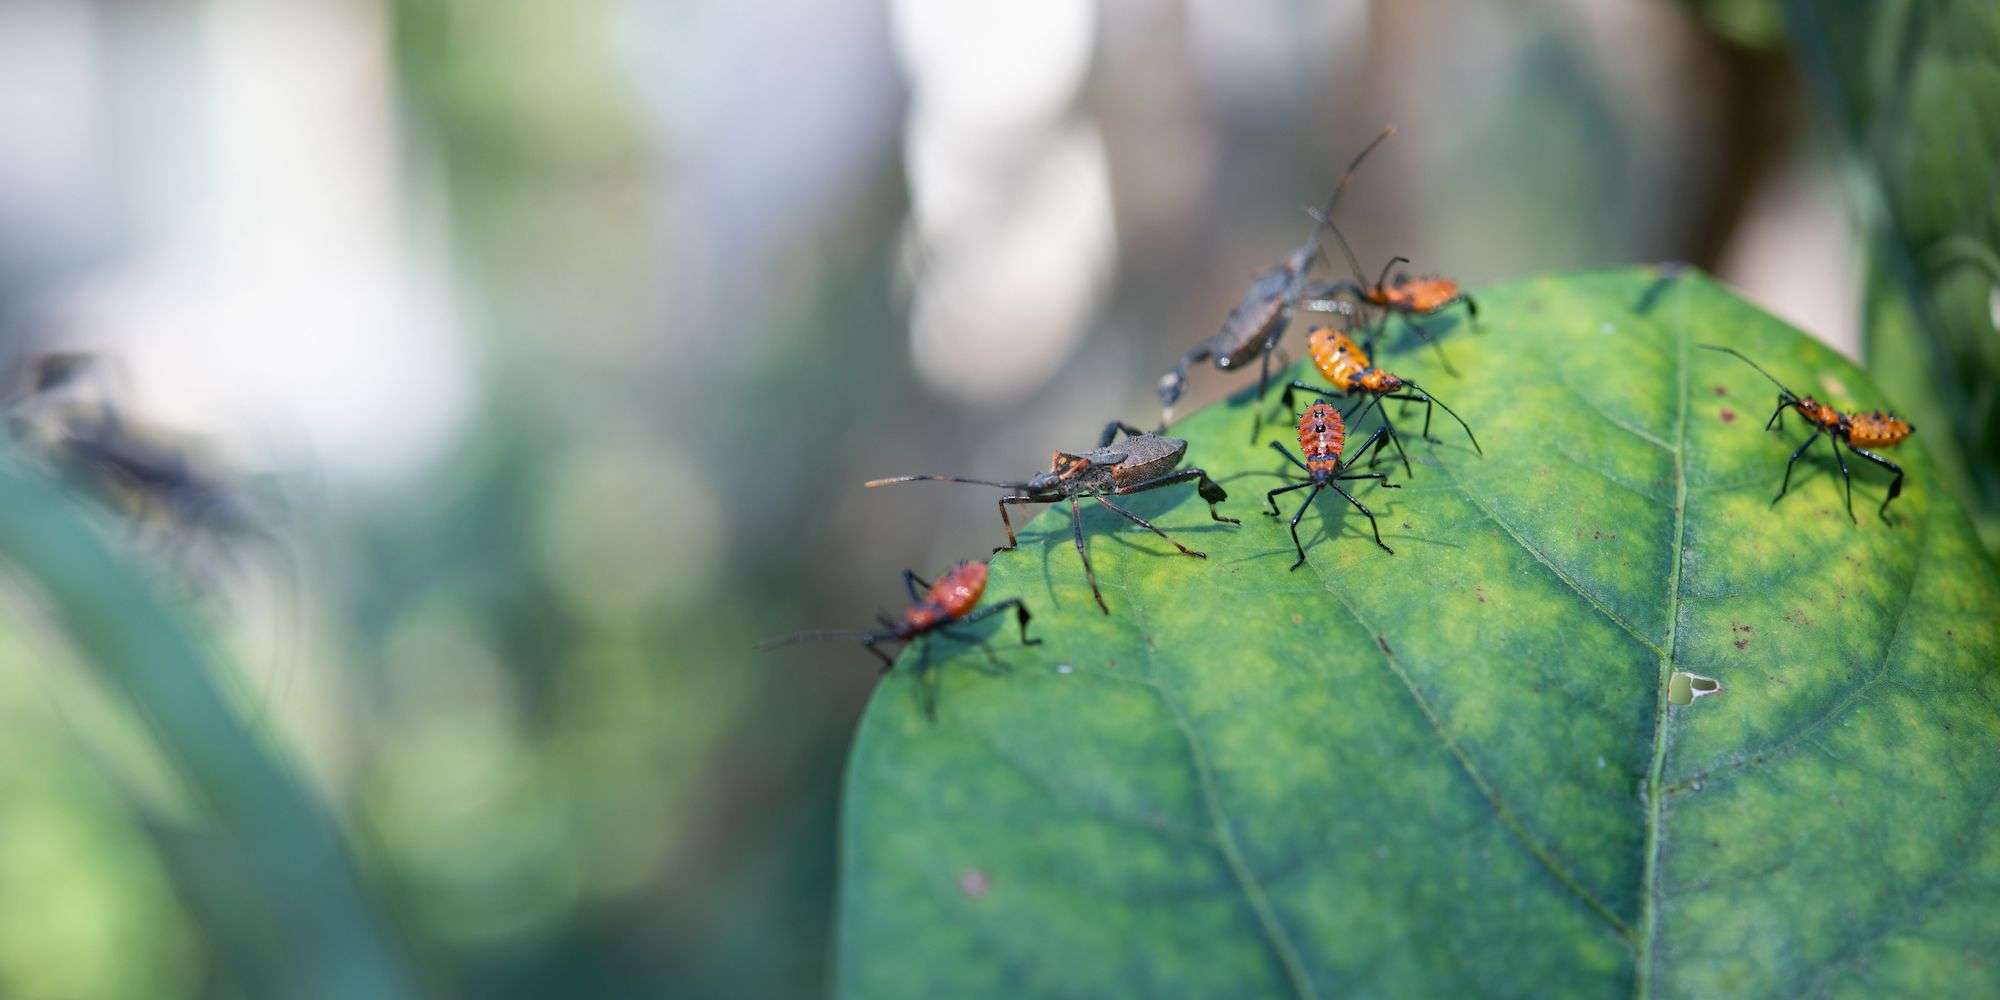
<point>1858,432</point>
<point>953,601</point>
<point>1322,440</point>
<point>1343,362</point>
<point>1412,298</point>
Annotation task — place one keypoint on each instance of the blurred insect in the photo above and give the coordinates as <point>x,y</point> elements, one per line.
<point>1412,298</point>
<point>943,608</point>
<point>1342,362</point>
<point>1141,462</point>
<point>1254,327</point>
<point>157,484</point>
<point>1858,431</point>
<point>1322,438</point>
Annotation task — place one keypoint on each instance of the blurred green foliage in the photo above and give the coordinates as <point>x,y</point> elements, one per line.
<point>1912,88</point>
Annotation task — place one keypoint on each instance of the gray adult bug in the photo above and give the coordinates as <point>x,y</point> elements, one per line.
<point>1254,327</point>
<point>1139,463</point>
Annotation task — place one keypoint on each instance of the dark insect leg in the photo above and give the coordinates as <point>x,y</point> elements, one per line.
<point>1272,496</point>
<point>1149,526</point>
<point>1289,457</point>
<point>1778,415</point>
<point>1430,400</point>
<point>1076,528</point>
<point>1845,476</point>
<point>1209,489</point>
<point>1295,522</point>
<point>1381,477</point>
<point>1787,484</point>
<point>1174,382</point>
<point>1111,432</point>
<point>1379,440</point>
<point>1322,392</point>
<point>1895,485</point>
<point>1436,347</point>
<point>1021,616</point>
<point>1471,309</point>
<point>1004,501</point>
<point>993,662</point>
<point>911,581</point>
<point>882,617</point>
<point>871,641</point>
<point>1365,512</point>
<point>1257,401</point>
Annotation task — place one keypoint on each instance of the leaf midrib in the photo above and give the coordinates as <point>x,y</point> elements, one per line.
<point>1650,879</point>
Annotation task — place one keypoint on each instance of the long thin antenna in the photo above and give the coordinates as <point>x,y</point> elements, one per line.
<point>1753,364</point>
<point>1324,217</point>
<point>872,483</point>
<point>1454,415</point>
<point>811,635</point>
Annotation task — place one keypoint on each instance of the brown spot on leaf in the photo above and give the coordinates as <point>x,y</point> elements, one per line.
<point>1728,415</point>
<point>1742,644</point>
<point>1479,592</point>
<point>1298,619</point>
<point>1722,390</point>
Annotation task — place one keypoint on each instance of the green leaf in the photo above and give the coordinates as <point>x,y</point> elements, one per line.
<point>1455,768</point>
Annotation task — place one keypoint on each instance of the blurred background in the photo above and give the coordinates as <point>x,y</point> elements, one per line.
<point>551,341</point>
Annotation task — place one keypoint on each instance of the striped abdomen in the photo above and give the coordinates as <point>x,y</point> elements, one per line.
<point>1877,429</point>
<point>1339,359</point>
<point>1322,434</point>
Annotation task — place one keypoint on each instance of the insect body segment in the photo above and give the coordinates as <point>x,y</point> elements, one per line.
<point>1345,364</point>
<point>1139,463</point>
<point>1322,439</point>
<point>939,607</point>
<point>1858,432</point>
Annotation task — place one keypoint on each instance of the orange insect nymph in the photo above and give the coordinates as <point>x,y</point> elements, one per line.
<point>1858,432</point>
<point>937,607</point>
<point>1421,295</point>
<point>1322,436</point>
<point>1322,440</point>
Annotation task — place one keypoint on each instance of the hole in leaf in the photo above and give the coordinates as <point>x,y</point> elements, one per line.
<point>1684,688</point>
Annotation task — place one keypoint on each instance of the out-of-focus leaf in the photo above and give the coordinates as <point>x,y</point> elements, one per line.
<point>1458,769</point>
<point>294,895</point>
<point>1913,87</point>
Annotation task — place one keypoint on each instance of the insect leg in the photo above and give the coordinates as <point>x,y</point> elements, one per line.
<point>1386,268</point>
<point>1436,347</point>
<point>1021,616</point>
<point>1471,309</point>
<point>1004,501</point>
<point>1845,477</point>
<point>1323,392</point>
<point>1778,415</point>
<point>1295,522</point>
<point>1263,384</point>
<point>1209,489</point>
<point>1149,526</point>
<point>1787,484</point>
<point>911,581</point>
<point>1271,497</point>
<point>1174,382</point>
<point>1076,528</point>
<point>870,642</point>
<point>1289,457</point>
<point>1382,477</point>
<point>972,640</point>
<point>1366,512</point>
<point>1895,485</point>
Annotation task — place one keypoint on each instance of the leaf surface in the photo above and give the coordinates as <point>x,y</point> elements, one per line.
<point>1457,768</point>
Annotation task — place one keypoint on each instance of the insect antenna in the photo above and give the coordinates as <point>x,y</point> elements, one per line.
<point>1324,217</point>
<point>1005,485</point>
<point>1454,415</point>
<point>814,635</point>
<point>1746,360</point>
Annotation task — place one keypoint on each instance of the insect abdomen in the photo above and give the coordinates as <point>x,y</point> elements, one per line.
<point>1877,429</point>
<point>1322,435</point>
<point>957,591</point>
<point>1336,355</point>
